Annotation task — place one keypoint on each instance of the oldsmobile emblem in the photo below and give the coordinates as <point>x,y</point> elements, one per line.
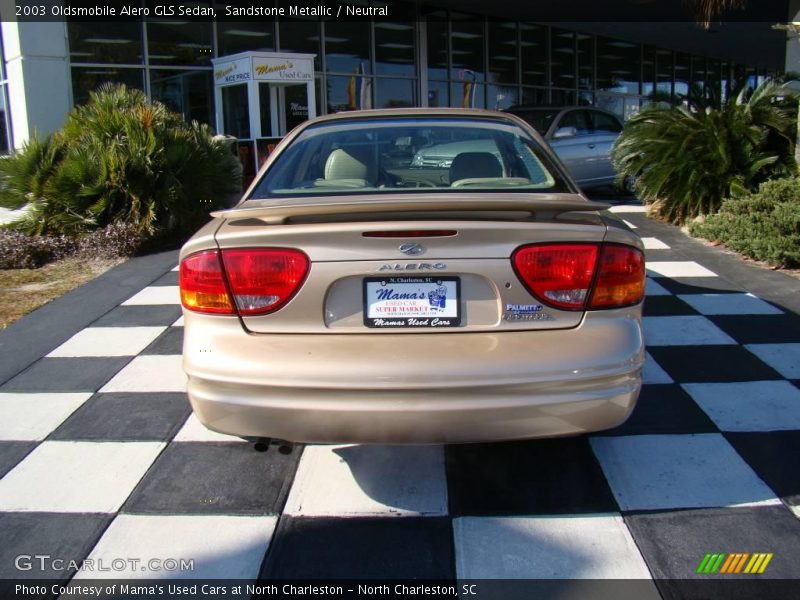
<point>412,249</point>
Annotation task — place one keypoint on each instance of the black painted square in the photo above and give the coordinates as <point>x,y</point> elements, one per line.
<point>363,548</point>
<point>558,476</point>
<point>169,342</point>
<point>663,306</point>
<point>760,329</point>
<point>215,478</point>
<point>68,537</point>
<point>11,453</point>
<point>712,364</point>
<point>673,543</point>
<point>169,278</point>
<point>664,409</point>
<point>85,374</point>
<point>698,285</point>
<point>126,416</point>
<point>140,316</point>
<point>774,456</point>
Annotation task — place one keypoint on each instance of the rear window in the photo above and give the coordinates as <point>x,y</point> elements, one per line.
<point>409,155</point>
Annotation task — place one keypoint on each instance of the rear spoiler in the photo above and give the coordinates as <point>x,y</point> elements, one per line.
<point>278,211</point>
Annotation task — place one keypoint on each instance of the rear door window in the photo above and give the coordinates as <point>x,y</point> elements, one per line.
<point>579,119</point>
<point>603,123</point>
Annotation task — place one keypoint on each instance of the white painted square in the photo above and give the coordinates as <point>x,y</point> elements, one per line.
<point>220,546</point>
<point>749,405</point>
<point>594,546</point>
<point>179,322</point>
<point>678,268</point>
<point>729,304</point>
<point>652,288</point>
<point>688,330</point>
<point>628,208</point>
<point>652,371</point>
<point>629,224</point>
<point>157,294</point>
<point>651,243</point>
<point>108,341</point>
<point>784,358</point>
<point>369,480</point>
<point>32,417</point>
<point>81,477</point>
<point>176,268</point>
<point>152,373</point>
<point>649,472</point>
<point>194,431</point>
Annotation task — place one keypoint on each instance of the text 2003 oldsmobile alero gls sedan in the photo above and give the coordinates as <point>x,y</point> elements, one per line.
<point>359,295</point>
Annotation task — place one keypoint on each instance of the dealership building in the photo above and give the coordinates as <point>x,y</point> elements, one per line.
<point>256,77</point>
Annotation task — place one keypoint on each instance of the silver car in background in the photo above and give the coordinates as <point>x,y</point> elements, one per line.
<point>582,137</point>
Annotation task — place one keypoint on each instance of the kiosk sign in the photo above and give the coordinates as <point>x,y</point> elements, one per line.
<point>284,68</point>
<point>234,71</point>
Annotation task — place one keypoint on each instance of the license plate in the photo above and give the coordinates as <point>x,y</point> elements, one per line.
<point>412,302</point>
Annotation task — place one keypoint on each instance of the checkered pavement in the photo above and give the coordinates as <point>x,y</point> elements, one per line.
<point>100,457</point>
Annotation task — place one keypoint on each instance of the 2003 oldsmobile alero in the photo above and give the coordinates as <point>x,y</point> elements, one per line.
<point>363,292</point>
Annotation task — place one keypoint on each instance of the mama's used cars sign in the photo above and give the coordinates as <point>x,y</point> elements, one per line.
<point>280,68</point>
<point>283,69</point>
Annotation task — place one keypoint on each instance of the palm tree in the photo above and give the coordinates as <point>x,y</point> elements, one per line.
<point>707,11</point>
<point>119,159</point>
<point>686,159</point>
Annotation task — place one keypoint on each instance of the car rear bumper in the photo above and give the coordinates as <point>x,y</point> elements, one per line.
<point>465,387</point>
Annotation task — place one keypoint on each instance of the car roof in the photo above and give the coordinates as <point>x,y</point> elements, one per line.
<point>522,107</point>
<point>417,112</point>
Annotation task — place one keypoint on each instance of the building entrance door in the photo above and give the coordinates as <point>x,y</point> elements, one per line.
<point>260,96</point>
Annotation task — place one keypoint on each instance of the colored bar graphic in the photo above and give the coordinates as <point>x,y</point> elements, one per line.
<point>720,562</point>
<point>728,563</point>
<point>754,562</point>
<point>765,563</point>
<point>741,562</point>
<point>702,567</point>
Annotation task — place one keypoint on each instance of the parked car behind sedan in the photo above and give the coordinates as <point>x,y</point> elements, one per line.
<point>582,137</point>
<point>355,296</point>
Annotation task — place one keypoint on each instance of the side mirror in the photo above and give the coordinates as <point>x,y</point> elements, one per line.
<point>565,132</point>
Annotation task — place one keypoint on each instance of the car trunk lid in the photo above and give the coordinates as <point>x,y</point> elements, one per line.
<point>368,252</point>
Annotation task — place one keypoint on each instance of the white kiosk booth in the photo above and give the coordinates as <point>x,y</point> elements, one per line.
<point>259,96</point>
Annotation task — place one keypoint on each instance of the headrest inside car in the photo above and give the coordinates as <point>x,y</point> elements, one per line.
<point>350,164</point>
<point>475,164</point>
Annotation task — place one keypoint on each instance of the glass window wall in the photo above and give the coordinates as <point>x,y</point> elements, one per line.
<point>533,49</point>
<point>235,37</point>
<point>188,93</point>
<point>117,42</point>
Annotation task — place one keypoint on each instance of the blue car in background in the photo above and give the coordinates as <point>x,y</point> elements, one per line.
<point>581,136</point>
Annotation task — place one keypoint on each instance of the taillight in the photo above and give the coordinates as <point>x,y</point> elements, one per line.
<point>562,275</point>
<point>264,279</point>
<point>203,284</point>
<point>620,277</point>
<point>249,281</point>
<point>558,274</point>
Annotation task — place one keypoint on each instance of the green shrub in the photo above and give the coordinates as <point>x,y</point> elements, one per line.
<point>120,159</point>
<point>764,225</point>
<point>685,161</point>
